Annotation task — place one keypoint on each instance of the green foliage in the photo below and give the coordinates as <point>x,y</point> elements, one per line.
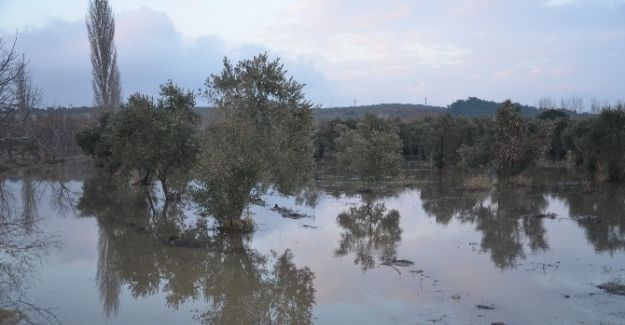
<point>571,136</point>
<point>372,150</point>
<point>152,140</point>
<point>476,107</point>
<point>600,143</point>
<point>552,114</point>
<point>479,155</point>
<point>404,112</point>
<point>326,134</point>
<point>560,121</point>
<point>413,137</point>
<point>448,141</point>
<point>262,135</point>
<point>443,138</point>
<point>95,141</point>
<point>518,142</point>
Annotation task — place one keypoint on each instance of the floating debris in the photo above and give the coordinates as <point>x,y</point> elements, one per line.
<point>288,213</point>
<point>398,262</point>
<point>309,227</point>
<point>542,216</point>
<point>590,218</point>
<point>484,307</point>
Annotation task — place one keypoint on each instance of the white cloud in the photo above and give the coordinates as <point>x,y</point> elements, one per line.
<point>369,50</point>
<point>150,51</point>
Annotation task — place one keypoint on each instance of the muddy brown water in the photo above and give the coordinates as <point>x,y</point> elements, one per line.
<point>421,253</point>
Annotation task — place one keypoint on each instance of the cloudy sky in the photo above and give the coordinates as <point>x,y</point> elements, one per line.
<point>371,51</point>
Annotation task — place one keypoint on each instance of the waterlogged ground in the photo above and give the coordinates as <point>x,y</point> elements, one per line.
<point>423,253</point>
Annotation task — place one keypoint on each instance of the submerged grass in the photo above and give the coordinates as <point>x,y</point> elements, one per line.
<point>477,183</point>
<point>244,225</point>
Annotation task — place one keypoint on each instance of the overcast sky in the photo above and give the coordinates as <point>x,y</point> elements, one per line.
<point>344,50</point>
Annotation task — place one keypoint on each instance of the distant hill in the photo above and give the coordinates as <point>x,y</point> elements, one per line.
<point>475,107</point>
<point>470,107</point>
<point>405,112</point>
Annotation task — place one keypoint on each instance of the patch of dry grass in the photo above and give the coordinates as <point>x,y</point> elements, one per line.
<point>245,225</point>
<point>477,183</point>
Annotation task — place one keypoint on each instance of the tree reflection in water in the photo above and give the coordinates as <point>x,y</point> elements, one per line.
<point>153,249</point>
<point>508,218</point>
<point>601,214</point>
<point>23,245</point>
<point>369,230</point>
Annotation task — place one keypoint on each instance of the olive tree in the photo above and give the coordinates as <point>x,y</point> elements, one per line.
<point>372,150</point>
<point>261,137</point>
<point>151,140</point>
<point>519,143</point>
<point>599,143</point>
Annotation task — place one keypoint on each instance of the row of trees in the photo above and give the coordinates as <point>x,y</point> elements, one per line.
<point>509,143</point>
<point>260,138</point>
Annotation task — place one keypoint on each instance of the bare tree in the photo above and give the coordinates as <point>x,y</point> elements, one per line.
<point>27,96</point>
<point>546,103</point>
<point>101,30</point>
<point>577,104</point>
<point>9,71</point>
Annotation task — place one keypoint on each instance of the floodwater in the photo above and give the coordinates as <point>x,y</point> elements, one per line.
<point>421,253</point>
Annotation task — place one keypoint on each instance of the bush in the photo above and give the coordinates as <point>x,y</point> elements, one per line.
<point>599,144</point>
<point>155,141</point>
<point>372,150</point>
<point>261,135</point>
<point>519,143</point>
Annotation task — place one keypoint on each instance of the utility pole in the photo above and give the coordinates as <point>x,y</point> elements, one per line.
<point>354,103</point>
<point>426,101</point>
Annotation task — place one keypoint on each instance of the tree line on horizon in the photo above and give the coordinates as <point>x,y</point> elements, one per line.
<point>508,143</point>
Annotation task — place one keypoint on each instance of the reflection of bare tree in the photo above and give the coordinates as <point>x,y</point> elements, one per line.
<point>6,200</point>
<point>369,230</point>
<point>22,248</point>
<point>63,198</point>
<point>29,202</point>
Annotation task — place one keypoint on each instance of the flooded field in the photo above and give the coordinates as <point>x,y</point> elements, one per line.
<point>420,253</point>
